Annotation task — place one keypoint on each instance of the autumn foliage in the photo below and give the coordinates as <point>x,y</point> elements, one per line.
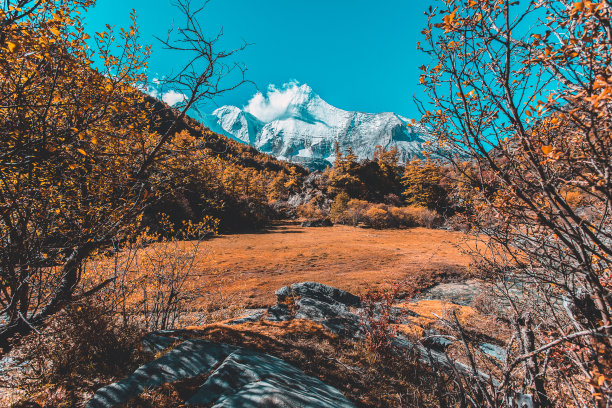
<point>523,92</point>
<point>87,160</point>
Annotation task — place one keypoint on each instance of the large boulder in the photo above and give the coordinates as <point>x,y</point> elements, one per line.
<point>319,303</point>
<point>318,291</point>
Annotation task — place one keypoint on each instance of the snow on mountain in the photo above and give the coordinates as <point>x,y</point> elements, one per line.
<point>293,123</point>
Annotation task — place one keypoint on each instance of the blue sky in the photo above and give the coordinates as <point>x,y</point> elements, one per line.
<point>357,55</point>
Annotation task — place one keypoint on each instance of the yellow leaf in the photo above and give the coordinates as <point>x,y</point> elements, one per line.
<point>578,6</point>
<point>55,31</point>
<point>94,140</point>
<point>83,152</point>
<point>547,149</point>
<point>11,46</point>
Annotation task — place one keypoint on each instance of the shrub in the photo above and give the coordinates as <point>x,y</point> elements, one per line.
<point>377,318</point>
<point>312,209</point>
<point>424,217</point>
<point>356,210</point>
<point>82,347</point>
<point>404,217</point>
<point>156,281</point>
<point>378,217</point>
<point>384,216</point>
<point>339,206</point>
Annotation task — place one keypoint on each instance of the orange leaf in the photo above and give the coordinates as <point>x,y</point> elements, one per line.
<point>547,149</point>
<point>83,152</point>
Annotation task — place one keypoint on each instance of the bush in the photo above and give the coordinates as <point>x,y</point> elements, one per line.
<point>312,210</point>
<point>339,205</point>
<point>383,216</point>
<point>404,217</point>
<point>423,217</point>
<point>377,319</point>
<point>81,348</point>
<point>378,217</point>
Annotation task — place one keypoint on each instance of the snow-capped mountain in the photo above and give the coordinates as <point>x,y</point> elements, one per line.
<point>293,123</point>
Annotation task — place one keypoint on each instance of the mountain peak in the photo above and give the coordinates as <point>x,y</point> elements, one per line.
<point>292,122</point>
<point>280,103</point>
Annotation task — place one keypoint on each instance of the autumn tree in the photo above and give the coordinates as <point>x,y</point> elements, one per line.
<point>422,182</point>
<point>382,175</point>
<point>343,176</point>
<point>387,160</point>
<point>81,150</point>
<point>523,90</point>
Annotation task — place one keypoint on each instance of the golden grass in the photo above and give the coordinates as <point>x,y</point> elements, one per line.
<point>427,314</point>
<point>353,259</point>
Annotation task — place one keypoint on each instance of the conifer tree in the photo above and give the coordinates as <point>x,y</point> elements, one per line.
<point>422,185</point>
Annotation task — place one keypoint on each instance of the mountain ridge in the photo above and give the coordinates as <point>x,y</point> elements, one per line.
<point>295,124</point>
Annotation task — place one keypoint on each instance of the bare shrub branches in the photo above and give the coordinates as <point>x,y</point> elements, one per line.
<point>522,90</point>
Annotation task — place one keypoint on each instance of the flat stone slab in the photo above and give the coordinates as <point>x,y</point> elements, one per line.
<point>238,378</point>
<point>248,379</point>
<point>461,293</point>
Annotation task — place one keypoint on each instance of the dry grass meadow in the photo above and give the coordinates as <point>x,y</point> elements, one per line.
<point>253,266</point>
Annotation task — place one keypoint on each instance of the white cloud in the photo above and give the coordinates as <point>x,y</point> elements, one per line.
<point>156,90</point>
<point>173,97</point>
<point>275,104</point>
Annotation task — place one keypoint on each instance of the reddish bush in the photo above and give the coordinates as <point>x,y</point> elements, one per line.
<point>377,318</point>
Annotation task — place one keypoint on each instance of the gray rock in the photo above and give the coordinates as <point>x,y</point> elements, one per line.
<point>318,291</point>
<point>521,401</point>
<point>238,378</point>
<point>499,353</point>
<point>279,313</point>
<point>323,222</point>
<point>319,303</point>
<point>188,359</point>
<point>247,379</point>
<point>253,317</point>
<point>156,342</point>
<point>318,310</point>
<point>461,293</point>
<point>434,340</point>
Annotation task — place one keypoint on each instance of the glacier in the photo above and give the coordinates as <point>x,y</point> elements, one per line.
<point>293,123</point>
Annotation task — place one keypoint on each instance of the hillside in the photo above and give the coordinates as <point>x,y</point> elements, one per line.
<point>218,178</point>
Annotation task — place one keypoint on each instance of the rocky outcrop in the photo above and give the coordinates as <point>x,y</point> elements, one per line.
<point>236,378</point>
<point>319,303</point>
<point>233,376</point>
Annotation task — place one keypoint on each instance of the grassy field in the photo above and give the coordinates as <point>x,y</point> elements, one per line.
<point>253,266</point>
